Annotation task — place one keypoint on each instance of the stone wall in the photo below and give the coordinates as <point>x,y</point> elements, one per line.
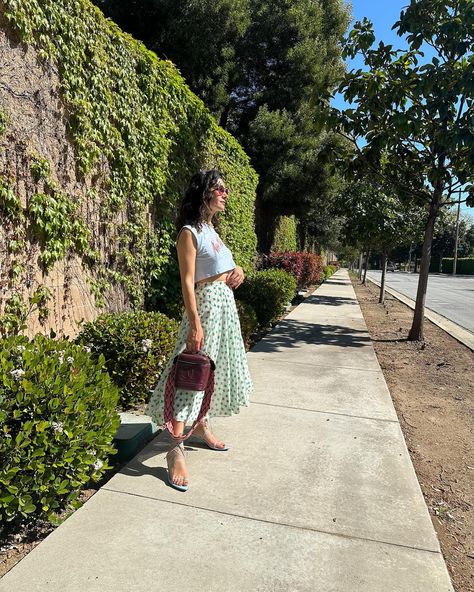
<point>37,123</point>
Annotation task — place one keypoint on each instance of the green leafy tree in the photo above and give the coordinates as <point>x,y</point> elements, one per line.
<point>290,61</point>
<point>444,234</point>
<point>379,222</point>
<point>417,112</point>
<point>200,37</point>
<point>263,68</point>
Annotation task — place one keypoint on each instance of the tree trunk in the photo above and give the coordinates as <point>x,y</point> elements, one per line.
<point>366,267</point>
<point>301,235</point>
<point>359,272</point>
<point>265,222</point>
<point>224,116</point>
<point>384,273</point>
<point>416,331</point>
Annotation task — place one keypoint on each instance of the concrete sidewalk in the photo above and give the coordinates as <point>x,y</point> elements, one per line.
<point>317,493</point>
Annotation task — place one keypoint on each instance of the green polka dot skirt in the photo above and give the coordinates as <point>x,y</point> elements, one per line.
<point>223,342</point>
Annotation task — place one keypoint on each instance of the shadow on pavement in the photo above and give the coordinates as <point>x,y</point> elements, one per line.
<point>291,334</point>
<point>330,300</point>
<point>336,283</point>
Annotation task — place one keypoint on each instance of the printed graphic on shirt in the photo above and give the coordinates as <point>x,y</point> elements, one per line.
<point>217,244</point>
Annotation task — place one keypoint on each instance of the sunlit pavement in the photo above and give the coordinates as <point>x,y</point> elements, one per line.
<point>317,492</point>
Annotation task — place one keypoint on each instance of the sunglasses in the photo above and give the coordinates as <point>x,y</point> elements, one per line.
<point>221,189</point>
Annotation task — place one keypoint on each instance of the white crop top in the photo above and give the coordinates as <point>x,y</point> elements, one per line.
<point>212,256</point>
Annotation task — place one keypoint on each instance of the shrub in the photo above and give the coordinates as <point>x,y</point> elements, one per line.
<point>285,234</point>
<point>328,270</point>
<point>305,267</point>
<point>57,420</point>
<point>248,321</point>
<point>268,292</point>
<point>135,346</point>
<point>464,265</point>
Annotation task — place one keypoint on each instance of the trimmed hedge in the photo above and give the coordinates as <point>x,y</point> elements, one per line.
<point>464,265</point>
<point>327,271</point>
<point>139,133</point>
<point>285,235</point>
<point>305,267</point>
<point>135,347</point>
<point>57,422</point>
<point>248,321</point>
<point>268,292</point>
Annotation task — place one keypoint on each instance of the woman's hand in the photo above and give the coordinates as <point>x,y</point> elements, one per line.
<point>195,339</point>
<point>235,277</point>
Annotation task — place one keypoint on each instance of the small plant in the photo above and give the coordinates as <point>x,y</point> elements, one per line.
<point>135,346</point>
<point>268,292</point>
<point>327,271</point>
<point>17,312</point>
<point>57,227</point>
<point>10,203</point>
<point>3,122</point>
<point>39,168</point>
<point>57,422</point>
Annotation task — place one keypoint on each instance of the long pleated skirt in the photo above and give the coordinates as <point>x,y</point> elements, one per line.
<point>223,342</point>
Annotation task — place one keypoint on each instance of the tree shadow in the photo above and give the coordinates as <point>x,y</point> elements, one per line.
<point>330,300</point>
<point>337,283</point>
<point>292,334</point>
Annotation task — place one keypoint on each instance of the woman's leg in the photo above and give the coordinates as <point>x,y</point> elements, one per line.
<point>175,457</point>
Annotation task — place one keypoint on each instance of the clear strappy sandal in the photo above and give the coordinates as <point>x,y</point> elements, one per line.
<point>171,456</point>
<point>204,440</point>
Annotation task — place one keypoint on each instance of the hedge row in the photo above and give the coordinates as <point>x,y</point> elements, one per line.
<point>464,265</point>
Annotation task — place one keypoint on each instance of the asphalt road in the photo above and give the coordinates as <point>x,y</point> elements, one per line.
<point>452,297</point>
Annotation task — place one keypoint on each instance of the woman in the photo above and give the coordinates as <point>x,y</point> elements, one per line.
<point>210,322</point>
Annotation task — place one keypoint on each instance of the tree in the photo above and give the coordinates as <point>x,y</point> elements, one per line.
<point>200,37</point>
<point>290,61</point>
<point>416,112</point>
<point>378,221</point>
<point>262,67</point>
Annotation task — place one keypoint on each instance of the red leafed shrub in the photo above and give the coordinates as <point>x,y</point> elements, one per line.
<point>305,267</point>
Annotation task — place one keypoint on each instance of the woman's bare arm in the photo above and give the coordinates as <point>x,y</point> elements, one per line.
<point>187,263</point>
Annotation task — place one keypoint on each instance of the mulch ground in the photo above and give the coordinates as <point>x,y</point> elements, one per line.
<point>431,384</point>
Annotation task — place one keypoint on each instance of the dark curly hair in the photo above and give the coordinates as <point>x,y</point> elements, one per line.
<point>194,205</point>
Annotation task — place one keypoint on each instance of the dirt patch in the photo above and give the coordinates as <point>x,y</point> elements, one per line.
<point>431,384</point>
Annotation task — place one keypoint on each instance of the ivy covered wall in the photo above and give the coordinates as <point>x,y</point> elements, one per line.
<point>137,134</point>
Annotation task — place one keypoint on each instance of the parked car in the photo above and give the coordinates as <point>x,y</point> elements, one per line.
<point>392,267</point>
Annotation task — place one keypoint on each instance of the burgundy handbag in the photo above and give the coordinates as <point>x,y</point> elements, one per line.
<point>193,372</point>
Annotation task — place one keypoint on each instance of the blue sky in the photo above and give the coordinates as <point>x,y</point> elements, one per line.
<point>383,14</point>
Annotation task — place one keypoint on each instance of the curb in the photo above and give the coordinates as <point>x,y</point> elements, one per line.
<point>459,333</point>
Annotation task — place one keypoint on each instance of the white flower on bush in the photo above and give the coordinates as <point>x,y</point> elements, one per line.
<point>146,344</point>
<point>98,464</point>
<point>61,357</point>
<point>87,349</point>
<point>20,348</point>
<point>17,373</point>
<point>70,359</point>
<point>57,426</point>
